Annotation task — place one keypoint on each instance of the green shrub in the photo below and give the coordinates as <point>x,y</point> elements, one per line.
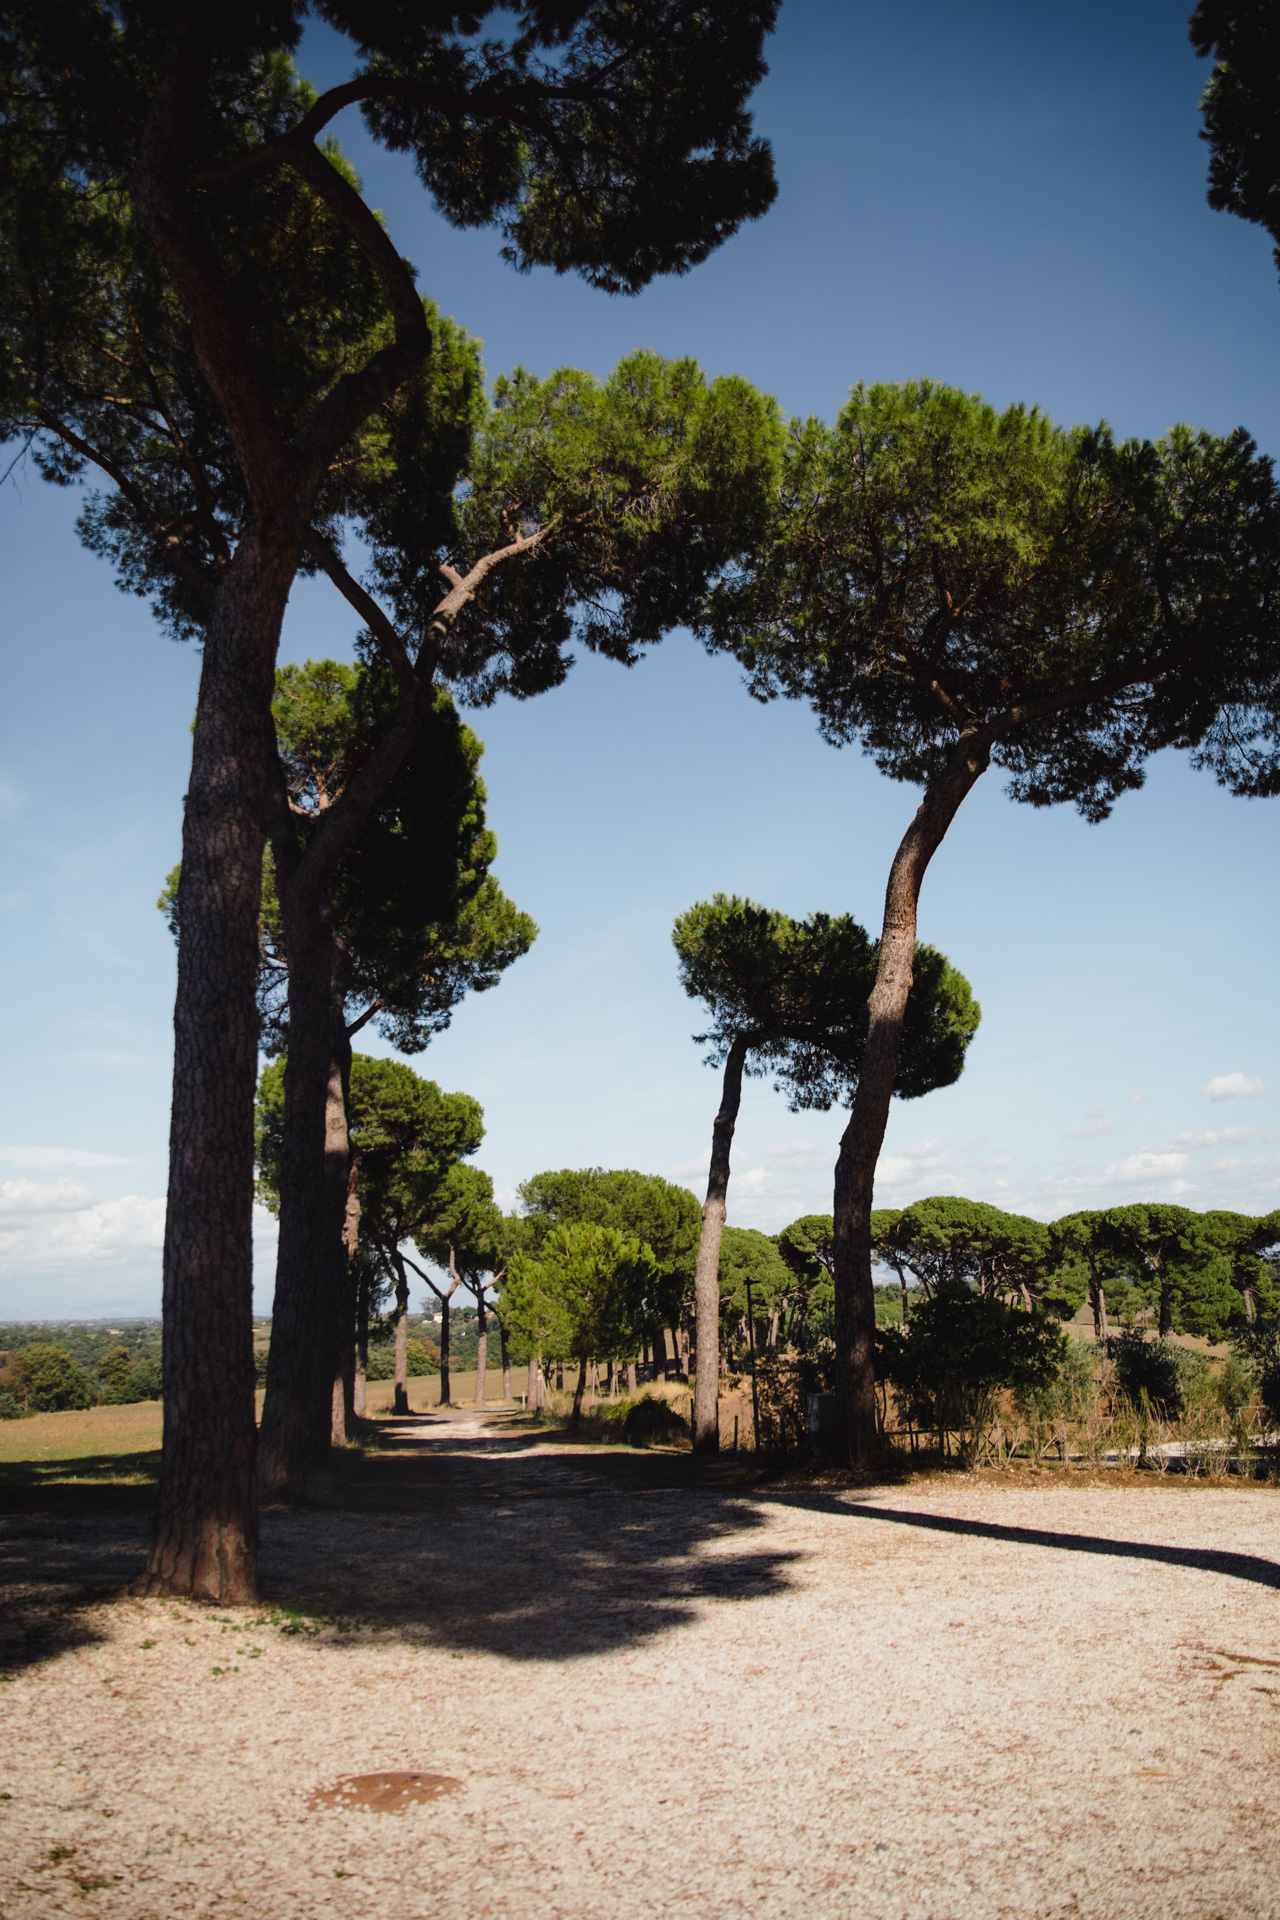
<point>43,1378</point>
<point>1195,1379</point>
<point>9,1408</point>
<point>382,1364</point>
<point>1258,1346</point>
<point>422,1356</point>
<point>1148,1372</point>
<point>649,1418</point>
<point>783,1383</point>
<point>114,1368</point>
<point>260,1365</point>
<point>125,1379</point>
<point>963,1348</point>
<point>1071,1395</point>
<point>1236,1386</point>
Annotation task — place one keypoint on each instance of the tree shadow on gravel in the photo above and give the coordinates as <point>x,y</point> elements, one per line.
<point>477,1542</point>
<point>1236,1566</point>
<point>63,1550</point>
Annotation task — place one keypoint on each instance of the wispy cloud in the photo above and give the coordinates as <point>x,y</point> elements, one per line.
<point>1099,1121</point>
<point>1234,1086</point>
<point>50,1157</point>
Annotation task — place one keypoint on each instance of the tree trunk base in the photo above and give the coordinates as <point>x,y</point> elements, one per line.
<point>221,1568</point>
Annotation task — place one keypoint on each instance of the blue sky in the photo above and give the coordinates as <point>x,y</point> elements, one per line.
<point>1007,198</point>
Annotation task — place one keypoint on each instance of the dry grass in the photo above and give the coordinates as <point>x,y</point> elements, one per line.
<point>75,1436</point>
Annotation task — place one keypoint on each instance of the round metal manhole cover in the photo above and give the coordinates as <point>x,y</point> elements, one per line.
<point>385,1792</point>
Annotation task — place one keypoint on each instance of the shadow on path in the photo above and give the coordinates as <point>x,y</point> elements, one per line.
<point>1236,1566</point>
<point>520,1543</point>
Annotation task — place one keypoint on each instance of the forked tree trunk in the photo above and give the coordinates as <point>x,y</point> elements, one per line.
<point>855,1312</point>
<point>575,1417</point>
<point>204,1537</point>
<point>706,1278</point>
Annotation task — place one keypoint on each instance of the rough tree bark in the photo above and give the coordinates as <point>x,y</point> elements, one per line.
<point>356,1336</point>
<point>706,1279</point>
<point>301,1413</point>
<point>204,1538</point>
<point>204,1533</point>
<point>855,1317</point>
<point>360,1398</point>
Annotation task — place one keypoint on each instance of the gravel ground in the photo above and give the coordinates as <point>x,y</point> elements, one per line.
<point>958,1698</point>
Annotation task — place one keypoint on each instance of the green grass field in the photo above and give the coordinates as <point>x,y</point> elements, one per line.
<point>59,1440</point>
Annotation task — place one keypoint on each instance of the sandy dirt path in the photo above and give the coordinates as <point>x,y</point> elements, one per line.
<point>954,1699</point>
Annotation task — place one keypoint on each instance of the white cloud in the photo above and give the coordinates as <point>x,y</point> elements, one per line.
<point>1089,1129</point>
<point>1138,1099</point>
<point>51,1226</point>
<point>59,1157</point>
<point>798,1150</point>
<point>687,1170</point>
<point>1234,1086</point>
<point>97,1255</point>
<point>1222,1137</point>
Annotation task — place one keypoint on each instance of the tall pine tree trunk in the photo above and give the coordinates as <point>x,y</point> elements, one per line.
<point>204,1538</point>
<point>360,1396</point>
<point>855,1316</point>
<point>307,1317</point>
<point>706,1279</point>
<point>402,1338</point>
<point>482,1347</point>
<point>506,1360</point>
<point>446,1386</point>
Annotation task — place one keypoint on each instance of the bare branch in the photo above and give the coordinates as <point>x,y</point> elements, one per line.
<point>367,607</point>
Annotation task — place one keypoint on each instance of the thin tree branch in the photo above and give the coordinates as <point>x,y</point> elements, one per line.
<point>366,606</point>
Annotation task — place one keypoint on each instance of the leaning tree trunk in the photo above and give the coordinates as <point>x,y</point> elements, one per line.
<point>204,1537</point>
<point>706,1278</point>
<point>855,1314</point>
<point>308,1313</point>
